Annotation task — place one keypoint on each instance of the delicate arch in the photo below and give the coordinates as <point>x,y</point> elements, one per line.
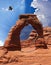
<point>14,34</point>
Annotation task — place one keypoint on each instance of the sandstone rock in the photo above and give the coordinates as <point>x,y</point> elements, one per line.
<point>47,34</point>
<point>29,54</point>
<point>3,51</point>
<point>40,43</point>
<point>13,39</point>
<point>49,40</point>
<point>32,35</point>
<point>47,29</point>
<point>4,61</point>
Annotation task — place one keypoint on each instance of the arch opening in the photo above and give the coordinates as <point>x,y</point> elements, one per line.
<point>25,32</point>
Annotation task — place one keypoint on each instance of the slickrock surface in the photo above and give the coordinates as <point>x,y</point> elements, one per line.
<point>29,54</point>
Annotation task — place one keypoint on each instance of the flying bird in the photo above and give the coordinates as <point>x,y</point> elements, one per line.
<point>10,8</point>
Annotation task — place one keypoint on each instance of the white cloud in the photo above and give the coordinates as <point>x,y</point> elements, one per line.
<point>4,9</point>
<point>22,4</point>
<point>41,16</point>
<point>45,0</point>
<point>43,10</point>
<point>1,43</point>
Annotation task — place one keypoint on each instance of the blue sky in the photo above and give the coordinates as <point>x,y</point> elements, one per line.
<point>43,10</point>
<point>9,18</point>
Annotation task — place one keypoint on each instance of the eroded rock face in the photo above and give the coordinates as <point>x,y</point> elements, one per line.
<point>46,34</point>
<point>13,39</point>
<point>33,35</point>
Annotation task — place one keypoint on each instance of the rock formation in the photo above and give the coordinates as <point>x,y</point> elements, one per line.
<point>47,34</point>
<point>13,39</point>
<point>33,35</point>
<point>29,54</point>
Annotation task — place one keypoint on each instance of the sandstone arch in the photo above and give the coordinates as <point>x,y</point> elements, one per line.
<point>14,34</point>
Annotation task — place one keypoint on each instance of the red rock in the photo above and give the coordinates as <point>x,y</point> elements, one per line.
<point>47,29</point>
<point>32,35</point>
<point>13,38</point>
<point>40,42</point>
